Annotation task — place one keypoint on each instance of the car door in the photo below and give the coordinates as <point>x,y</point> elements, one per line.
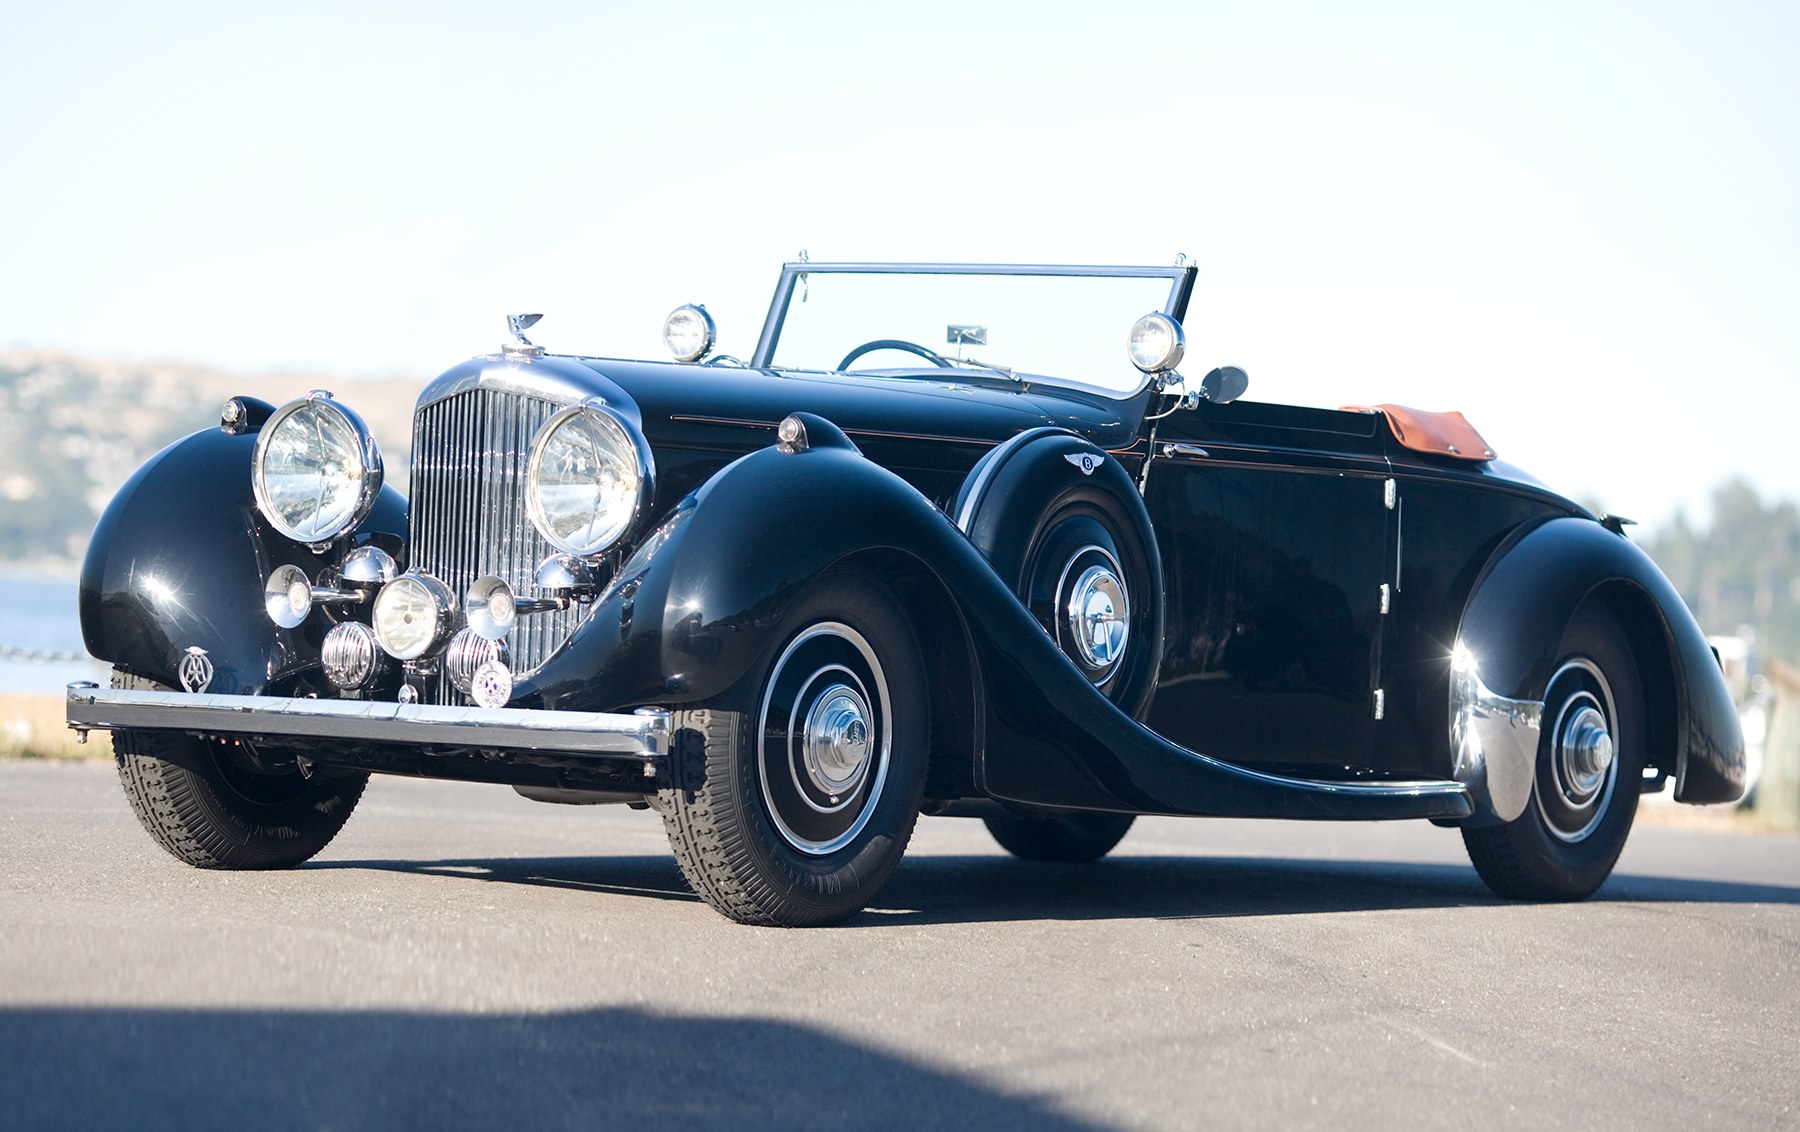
<point>1273,523</point>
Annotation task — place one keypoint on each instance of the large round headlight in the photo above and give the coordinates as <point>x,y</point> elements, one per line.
<point>1157,343</point>
<point>587,479</point>
<point>689,333</point>
<point>317,471</point>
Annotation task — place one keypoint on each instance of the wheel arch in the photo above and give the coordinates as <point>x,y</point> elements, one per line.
<point>1008,502</point>
<point>1530,591</point>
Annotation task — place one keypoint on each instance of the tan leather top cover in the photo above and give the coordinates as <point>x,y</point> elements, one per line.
<point>1438,434</point>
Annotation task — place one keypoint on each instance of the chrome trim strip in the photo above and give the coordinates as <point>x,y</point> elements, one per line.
<point>1494,741</point>
<point>644,734</point>
<point>541,378</point>
<point>990,463</point>
<point>888,268</point>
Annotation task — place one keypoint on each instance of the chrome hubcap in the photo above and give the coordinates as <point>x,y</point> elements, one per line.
<point>1578,770</point>
<point>836,739</point>
<point>1097,612</point>
<point>1586,749</point>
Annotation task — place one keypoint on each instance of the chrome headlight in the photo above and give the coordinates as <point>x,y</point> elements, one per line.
<point>689,332</point>
<point>1157,343</point>
<point>317,471</point>
<point>589,475</point>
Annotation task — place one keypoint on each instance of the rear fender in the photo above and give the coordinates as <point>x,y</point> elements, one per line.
<point>1525,598</point>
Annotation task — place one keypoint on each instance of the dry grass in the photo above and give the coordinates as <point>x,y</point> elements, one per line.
<point>33,727</point>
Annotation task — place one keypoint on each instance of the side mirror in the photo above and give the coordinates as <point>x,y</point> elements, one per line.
<point>1224,385</point>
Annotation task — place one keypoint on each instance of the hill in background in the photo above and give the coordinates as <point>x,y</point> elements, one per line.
<point>72,429</point>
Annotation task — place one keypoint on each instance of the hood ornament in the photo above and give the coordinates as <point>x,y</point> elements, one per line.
<point>521,346</point>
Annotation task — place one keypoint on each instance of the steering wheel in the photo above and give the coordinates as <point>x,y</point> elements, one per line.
<point>894,344</point>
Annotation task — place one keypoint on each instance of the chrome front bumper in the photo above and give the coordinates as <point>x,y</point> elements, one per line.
<point>644,733</point>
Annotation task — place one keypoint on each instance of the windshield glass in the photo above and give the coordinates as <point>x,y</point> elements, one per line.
<point>1063,324</point>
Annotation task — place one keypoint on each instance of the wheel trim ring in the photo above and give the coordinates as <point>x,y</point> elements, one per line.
<point>871,784</point>
<point>1557,765</point>
<point>1069,610</point>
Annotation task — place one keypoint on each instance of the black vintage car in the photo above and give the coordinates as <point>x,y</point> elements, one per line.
<point>953,540</point>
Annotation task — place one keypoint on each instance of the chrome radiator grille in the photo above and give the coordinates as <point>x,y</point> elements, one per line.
<point>468,514</point>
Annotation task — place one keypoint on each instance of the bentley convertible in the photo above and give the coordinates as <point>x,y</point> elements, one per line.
<point>953,539</point>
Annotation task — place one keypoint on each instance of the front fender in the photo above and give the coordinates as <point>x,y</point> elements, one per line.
<point>178,562</point>
<point>1513,624</point>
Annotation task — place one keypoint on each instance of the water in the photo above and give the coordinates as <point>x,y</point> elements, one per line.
<point>39,614</point>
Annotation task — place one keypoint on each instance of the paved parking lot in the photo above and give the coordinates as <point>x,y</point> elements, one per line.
<point>460,957</point>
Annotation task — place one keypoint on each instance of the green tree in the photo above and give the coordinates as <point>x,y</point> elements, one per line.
<point>1742,570</point>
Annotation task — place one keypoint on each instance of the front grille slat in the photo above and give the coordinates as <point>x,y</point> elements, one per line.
<point>468,514</point>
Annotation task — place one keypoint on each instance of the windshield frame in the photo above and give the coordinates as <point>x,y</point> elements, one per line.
<point>1180,277</point>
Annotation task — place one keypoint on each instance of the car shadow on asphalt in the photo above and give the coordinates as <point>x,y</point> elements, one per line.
<point>155,1068</point>
<point>934,889</point>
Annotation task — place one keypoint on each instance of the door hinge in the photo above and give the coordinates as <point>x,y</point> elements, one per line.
<point>1386,598</point>
<point>1380,703</point>
<point>1390,494</point>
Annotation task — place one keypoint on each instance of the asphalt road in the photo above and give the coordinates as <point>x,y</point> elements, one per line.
<point>461,957</point>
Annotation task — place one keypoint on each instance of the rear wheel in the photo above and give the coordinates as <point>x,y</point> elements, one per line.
<point>812,776</point>
<point>1590,764</point>
<point>201,800</point>
<point>1064,837</point>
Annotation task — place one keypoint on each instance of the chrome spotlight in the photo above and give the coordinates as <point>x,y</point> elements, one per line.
<point>287,596</point>
<point>490,607</point>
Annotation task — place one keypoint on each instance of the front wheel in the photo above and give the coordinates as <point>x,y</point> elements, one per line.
<point>812,775</point>
<point>204,803</point>
<point>1590,766</point>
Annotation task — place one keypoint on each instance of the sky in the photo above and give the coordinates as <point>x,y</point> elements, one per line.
<point>1577,223</point>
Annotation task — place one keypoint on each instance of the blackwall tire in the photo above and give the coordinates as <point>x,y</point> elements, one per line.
<point>1069,838</point>
<point>1564,846</point>
<point>206,809</point>
<point>795,801</point>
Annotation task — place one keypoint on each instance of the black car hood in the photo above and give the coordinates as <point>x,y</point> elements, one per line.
<point>960,406</point>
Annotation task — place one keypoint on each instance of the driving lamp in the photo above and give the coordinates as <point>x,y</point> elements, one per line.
<point>1157,343</point>
<point>413,615</point>
<point>689,332</point>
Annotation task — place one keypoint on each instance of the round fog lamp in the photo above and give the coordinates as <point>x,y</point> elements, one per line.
<point>1157,343</point>
<point>412,615</point>
<point>689,332</point>
<point>465,655</point>
<point>351,656</point>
